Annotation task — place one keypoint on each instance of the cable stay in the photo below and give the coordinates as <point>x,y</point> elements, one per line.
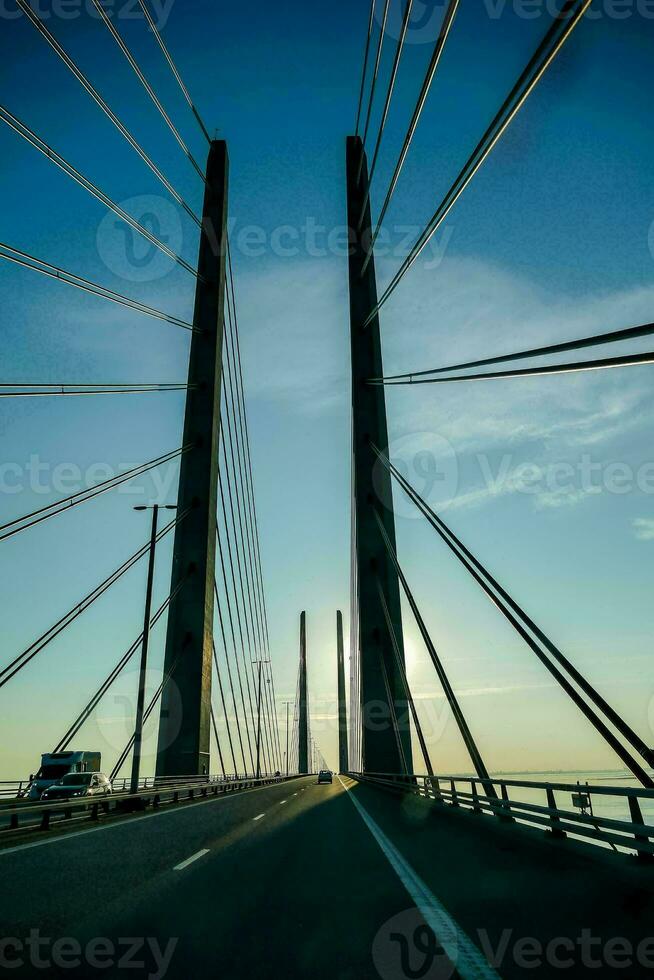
<point>30,262</point>
<point>30,137</point>
<point>614,336</point>
<point>146,85</point>
<point>160,41</point>
<point>27,390</point>
<point>554,40</point>
<point>375,76</point>
<point>432,68</point>
<point>97,98</point>
<point>366,58</point>
<point>92,704</point>
<point>574,367</point>
<point>225,715</point>
<point>508,607</point>
<point>231,682</point>
<point>52,510</point>
<point>8,672</point>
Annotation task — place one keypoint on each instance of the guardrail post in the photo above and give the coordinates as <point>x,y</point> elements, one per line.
<point>476,808</point>
<point>554,818</point>
<point>506,805</point>
<point>637,818</point>
<point>45,820</point>
<point>455,798</point>
<point>94,812</point>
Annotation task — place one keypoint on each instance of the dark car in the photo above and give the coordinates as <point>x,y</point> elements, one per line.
<point>324,776</point>
<point>77,784</point>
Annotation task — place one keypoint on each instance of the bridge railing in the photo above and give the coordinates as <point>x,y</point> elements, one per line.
<point>498,797</point>
<point>15,788</point>
<point>16,815</point>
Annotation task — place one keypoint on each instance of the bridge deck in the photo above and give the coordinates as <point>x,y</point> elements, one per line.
<point>308,890</point>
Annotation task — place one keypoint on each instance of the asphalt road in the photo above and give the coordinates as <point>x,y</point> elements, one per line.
<point>300,880</point>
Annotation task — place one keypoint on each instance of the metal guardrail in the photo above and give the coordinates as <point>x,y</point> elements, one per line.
<point>37,815</point>
<point>627,836</point>
<point>13,788</point>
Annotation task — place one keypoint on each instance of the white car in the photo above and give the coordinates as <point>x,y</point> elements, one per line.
<point>77,784</point>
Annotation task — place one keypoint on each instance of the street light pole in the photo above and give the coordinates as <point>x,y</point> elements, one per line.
<point>140,700</point>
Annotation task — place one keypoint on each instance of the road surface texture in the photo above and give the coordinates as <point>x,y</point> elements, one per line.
<point>338,881</point>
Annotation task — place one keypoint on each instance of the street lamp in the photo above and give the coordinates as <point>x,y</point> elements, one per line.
<point>260,664</point>
<point>140,700</point>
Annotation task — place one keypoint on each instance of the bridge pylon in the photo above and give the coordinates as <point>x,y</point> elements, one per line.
<point>184,726</point>
<point>343,756</point>
<point>384,715</point>
<point>303,709</point>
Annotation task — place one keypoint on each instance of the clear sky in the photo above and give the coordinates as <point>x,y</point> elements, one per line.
<point>553,240</point>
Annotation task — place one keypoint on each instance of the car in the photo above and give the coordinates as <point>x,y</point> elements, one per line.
<point>78,784</point>
<point>324,776</point>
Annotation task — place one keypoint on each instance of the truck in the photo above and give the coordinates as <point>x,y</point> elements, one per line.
<point>56,765</point>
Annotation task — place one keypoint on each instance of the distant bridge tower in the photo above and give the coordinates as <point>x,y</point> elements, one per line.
<point>184,727</point>
<point>385,734</point>
<point>303,710</point>
<point>343,758</point>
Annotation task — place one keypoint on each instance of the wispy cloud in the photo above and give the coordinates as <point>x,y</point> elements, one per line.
<point>644,528</point>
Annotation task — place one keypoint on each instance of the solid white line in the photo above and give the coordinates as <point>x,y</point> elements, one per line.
<point>461,951</point>
<point>132,823</point>
<point>283,802</point>
<point>260,817</point>
<point>194,857</point>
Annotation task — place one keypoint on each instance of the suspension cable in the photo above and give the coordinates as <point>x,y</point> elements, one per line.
<point>503,601</point>
<point>52,510</point>
<point>146,85</point>
<point>375,76</point>
<point>387,105</point>
<point>231,681</point>
<point>365,62</point>
<point>251,499</point>
<point>467,735</point>
<point>97,98</point>
<point>220,751</point>
<point>446,26</point>
<point>27,390</point>
<point>30,262</point>
<point>222,699</point>
<point>173,68</point>
<point>574,367</point>
<point>80,607</point>
<point>545,54</point>
<point>92,704</point>
<point>401,669</point>
<point>614,336</point>
<point>31,137</point>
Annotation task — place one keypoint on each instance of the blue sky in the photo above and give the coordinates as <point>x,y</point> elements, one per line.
<point>552,240</point>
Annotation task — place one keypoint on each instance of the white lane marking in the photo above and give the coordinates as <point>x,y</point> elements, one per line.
<point>131,823</point>
<point>461,951</point>
<point>260,817</point>
<point>191,860</point>
<point>283,802</point>
<point>294,794</point>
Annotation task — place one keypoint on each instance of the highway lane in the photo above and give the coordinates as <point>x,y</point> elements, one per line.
<point>298,880</point>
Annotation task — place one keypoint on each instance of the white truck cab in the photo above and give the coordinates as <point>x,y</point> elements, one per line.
<point>56,765</point>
